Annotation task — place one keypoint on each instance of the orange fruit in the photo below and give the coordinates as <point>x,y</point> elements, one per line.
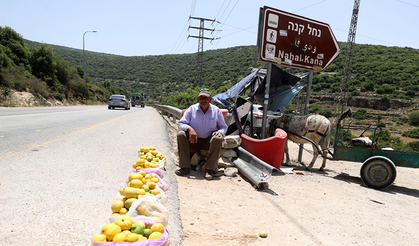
<point>151,185</point>
<point>157,227</point>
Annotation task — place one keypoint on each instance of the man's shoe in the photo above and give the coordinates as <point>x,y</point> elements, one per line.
<point>182,171</point>
<point>208,175</point>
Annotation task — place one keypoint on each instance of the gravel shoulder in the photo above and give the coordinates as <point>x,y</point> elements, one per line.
<point>299,208</point>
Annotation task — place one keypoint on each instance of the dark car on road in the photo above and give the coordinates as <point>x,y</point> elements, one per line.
<point>119,101</point>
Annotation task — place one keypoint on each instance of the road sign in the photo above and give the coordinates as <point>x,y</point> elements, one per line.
<point>295,41</point>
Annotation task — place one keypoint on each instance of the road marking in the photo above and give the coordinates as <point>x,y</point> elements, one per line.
<point>66,136</point>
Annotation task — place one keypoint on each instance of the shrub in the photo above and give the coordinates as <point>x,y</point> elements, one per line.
<point>386,140</point>
<point>414,133</point>
<point>39,87</point>
<point>414,119</point>
<point>413,146</point>
<point>381,124</point>
<point>361,114</point>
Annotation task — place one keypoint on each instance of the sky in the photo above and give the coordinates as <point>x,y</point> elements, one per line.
<point>159,27</point>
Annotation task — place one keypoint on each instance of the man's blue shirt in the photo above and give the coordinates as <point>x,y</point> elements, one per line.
<point>203,124</point>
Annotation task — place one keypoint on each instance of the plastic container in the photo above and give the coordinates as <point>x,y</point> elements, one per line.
<point>269,150</point>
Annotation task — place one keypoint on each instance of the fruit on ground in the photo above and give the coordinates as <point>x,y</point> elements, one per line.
<point>125,222</point>
<point>120,237</point>
<point>157,227</point>
<point>99,237</point>
<point>138,229</point>
<point>116,206</point>
<point>129,202</point>
<point>155,235</point>
<point>263,234</point>
<point>112,230</point>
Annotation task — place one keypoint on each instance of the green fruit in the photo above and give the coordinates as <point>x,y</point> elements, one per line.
<point>145,188</point>
<point>147,232</point>
<point>129,202</point>
<point>137,229</point>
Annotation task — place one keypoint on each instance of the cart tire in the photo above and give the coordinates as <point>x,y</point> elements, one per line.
<point>246,130</point>
<point>378,172</point>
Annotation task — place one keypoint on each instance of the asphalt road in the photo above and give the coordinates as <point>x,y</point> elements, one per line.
<point>62,167</point>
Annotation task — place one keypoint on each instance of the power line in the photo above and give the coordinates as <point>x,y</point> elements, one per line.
<point>310,5</point>
<point>181,34</point>
<point>407,3</point>
<point>225,9</point>
<point>193,5</point>
<point>220,9</point>
<point>229,13</point>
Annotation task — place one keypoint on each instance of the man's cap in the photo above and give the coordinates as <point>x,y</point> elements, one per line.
<point>204,92</point>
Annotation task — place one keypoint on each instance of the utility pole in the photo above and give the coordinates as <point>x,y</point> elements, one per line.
<point>200,37</point>
<point>347,67</point>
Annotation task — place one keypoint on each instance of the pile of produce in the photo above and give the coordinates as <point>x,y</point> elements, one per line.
<point>139,217</point>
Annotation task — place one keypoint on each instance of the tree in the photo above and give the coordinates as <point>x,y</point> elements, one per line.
<point>43,64</point>
<point>14,46</point>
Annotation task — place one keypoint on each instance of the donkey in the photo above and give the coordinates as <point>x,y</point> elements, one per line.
<point>314,127</point>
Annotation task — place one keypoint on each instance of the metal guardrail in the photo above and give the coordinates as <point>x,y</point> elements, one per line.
<point>253,168</point>
<point>174,112</point>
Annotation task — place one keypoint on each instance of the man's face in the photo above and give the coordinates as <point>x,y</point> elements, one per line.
<point>204,101</point>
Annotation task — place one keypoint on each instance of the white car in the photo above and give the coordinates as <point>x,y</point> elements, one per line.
<point>119,101</point>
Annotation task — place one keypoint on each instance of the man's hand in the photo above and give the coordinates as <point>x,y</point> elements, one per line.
<point>218,134</point>
<point>193,137</point>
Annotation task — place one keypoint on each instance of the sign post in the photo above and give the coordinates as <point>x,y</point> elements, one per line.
<point>296,41</point>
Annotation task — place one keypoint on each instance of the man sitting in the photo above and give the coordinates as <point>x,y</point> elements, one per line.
<point>201,127</point>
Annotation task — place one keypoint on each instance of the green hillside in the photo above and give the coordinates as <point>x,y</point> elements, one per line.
<point>378,71</point>
<point>43,72</point>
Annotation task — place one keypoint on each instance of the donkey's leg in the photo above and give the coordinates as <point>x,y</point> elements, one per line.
<point>324,150</point>
<point>315,154</point>
<point>286,154</point>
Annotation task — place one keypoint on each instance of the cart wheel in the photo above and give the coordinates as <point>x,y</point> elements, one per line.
<point>378,172</point>
<point>246,130</point>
